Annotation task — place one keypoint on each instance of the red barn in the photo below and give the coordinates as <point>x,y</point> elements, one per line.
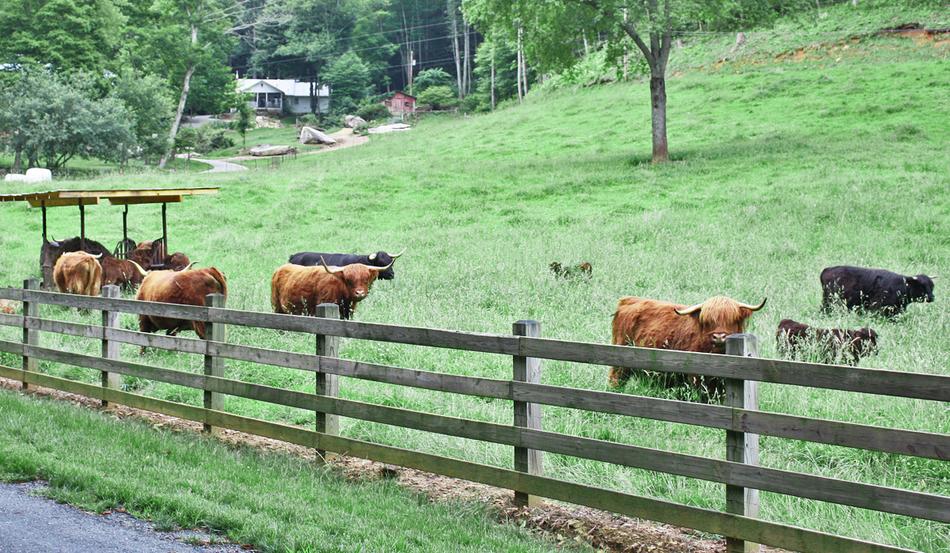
<point>400,103</point>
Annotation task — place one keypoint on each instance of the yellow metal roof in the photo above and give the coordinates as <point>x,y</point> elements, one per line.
<point>59,198</point>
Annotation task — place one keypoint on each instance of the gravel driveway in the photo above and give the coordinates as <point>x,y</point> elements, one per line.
<point>32,524</point>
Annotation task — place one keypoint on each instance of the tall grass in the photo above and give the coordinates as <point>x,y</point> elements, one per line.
<point>779,170</point>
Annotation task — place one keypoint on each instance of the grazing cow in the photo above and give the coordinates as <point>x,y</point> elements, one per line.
<point>144,254</point>
<point>658,324</point>
<point>122,272</point>
<point>298,290</point>
<point>378,259</point>
<point>187,287</point>
<point>78,273</point>
<point>571,271</point>
<point>9,307</point>
<point>874,289</point>
<point>832,343</point>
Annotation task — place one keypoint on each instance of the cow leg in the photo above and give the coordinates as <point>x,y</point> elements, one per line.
<point>199,329</point>
<point>146,326</point>
<point>618,377</point>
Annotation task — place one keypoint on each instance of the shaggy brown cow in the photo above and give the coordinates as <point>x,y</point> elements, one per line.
<point>298,290</point>
<point>78,273</point>
<point>9,307</point>
<point>183,287</point>
<point>144,254</point>
<point>658,324</point>
<point>121,272</point>
<point>831,344</point>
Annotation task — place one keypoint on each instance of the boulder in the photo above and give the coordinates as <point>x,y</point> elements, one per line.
<point>268,150</point>
<point>263,122</point>
<point>14,177</point>
<point>37,174</point>
<point>353,121</point>
<point>310,135</point>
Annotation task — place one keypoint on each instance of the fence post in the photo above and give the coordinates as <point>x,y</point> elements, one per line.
<point>742,447</point>
<point>110,348</point>
<point>30,337</point>
<point>214,365</point>
<point>527,415</point>
<point>327,384</point>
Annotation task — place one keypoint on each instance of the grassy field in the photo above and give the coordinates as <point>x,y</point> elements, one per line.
<point>780,169</point>
<point>273,501</point>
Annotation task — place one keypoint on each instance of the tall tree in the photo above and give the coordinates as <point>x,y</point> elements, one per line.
<point>650,24</point>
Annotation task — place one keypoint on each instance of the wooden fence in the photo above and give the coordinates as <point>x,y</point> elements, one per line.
<point>739,416</point>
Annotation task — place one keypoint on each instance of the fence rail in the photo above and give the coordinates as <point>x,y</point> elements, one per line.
<point>739,417</point>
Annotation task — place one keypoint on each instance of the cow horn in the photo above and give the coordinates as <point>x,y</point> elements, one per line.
<point>755,307</point>
<point>372,257</point>
<point>139,267</point>
<point>190,265</point>
<point>689,310</point>
<point>381,269</point>
<point>97,256</point>
<point>329,270</point>
<point>398,254</point>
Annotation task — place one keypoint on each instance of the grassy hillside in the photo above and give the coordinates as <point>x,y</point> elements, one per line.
<point>276,502</point>
<point>780,169</point>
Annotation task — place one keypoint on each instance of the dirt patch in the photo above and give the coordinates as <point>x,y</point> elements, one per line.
<point>564,523</point>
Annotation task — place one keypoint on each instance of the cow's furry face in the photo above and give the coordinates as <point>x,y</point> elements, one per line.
<point>358,279</point>
<point>864,342</point>
<point>920,288</point>
<point>718,318</point>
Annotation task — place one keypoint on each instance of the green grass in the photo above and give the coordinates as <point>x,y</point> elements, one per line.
<point>80,168</point>
<point>277,502</point>
<point>780,169</point>
<point>283,136</point>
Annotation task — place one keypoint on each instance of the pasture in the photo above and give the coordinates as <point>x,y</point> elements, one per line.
<point>780,169</point>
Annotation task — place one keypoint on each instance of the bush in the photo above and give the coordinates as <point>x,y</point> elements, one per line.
<point>220,140</point>
<point>202,140</point>
<point>373,111</point>
<point>309,120</point>
<point>438,97</point>
<point>435,76</point>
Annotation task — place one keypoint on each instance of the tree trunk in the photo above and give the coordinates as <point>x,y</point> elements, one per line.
<point>467,68</point>
<point>18,161</point>
<point>451,7</point>
<point>185,87</point>
<point>658,104</point>
<point>493,76</point>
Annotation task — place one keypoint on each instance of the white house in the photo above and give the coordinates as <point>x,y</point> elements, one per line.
<point>284,95</point>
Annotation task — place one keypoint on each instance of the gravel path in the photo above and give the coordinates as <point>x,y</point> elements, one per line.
<point>220,166</point>
<point>32,524</point>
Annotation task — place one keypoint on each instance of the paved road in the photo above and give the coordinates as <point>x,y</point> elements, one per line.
<point>219,166</point>
<point>31,524</point>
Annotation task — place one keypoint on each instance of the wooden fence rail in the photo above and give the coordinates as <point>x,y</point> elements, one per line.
<point>738,416</point>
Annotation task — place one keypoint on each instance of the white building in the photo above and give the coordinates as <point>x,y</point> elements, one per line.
<point>284,95</point>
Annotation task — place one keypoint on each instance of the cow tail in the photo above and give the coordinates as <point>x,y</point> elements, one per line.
<point>219,277</point>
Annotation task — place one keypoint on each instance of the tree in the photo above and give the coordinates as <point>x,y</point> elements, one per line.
<point>650,24</point>
<point>66,35</point>
<point>435,76</point>
<point>55,119</point>
<point>150,107</point>
<point>244,121</point>
<point>438,97</point>
<point>348,78</point>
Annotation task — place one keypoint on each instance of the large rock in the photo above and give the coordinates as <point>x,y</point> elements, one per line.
<point>14,177</point>
<point>264,122</point>
<point>268,150</point>
<point>310,135</point>
<point>395,127</point>
<point>37,174</point>
<point>354,121</point>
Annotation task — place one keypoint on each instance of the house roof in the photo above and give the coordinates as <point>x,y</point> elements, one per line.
<point>403,93</point>
<point>290,87</point>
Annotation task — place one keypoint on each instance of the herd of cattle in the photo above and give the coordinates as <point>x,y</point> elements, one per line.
<point>310,279</point>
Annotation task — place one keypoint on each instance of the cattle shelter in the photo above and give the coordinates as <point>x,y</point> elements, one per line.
<point>120,197</point>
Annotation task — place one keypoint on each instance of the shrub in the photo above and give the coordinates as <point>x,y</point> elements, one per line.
<point>438,97</point>
<point>435,76</point>
<point>373,111</point>
<point>309,120</point>
<point>220,140</point>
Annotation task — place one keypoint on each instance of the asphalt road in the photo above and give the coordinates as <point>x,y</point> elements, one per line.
<point>31,524</point>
